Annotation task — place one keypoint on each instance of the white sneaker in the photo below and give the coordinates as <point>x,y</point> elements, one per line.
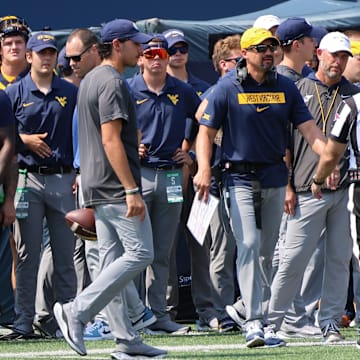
<point>254,336</point>
<point>271,338</point>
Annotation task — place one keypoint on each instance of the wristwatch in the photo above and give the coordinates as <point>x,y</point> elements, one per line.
<point>317,182</point>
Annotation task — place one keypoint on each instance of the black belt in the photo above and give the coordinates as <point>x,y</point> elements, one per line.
<point>47,170</point>
<point>243,167</point>
<point>165,167</point>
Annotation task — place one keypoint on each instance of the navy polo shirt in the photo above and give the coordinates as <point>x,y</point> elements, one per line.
<point>7,116</point>
<point>255,119</point>
<point>37,113</point>
<point>162,118</point>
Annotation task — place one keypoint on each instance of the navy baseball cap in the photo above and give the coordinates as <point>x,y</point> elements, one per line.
<point>62,62</point>
<point>123,29</point>
<point>157,41</point>
<point>318,33</point>
<point>293,28</point>
<point>174,36</point>
<point>42,40</point>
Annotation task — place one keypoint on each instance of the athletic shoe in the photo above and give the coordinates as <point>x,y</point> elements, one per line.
<point>212,325</point>
<point>71,327</point>
<point>139,350</point>
<point>227,325</point>
<point>331,334</point>
<point>15,335</point>
<point>289,331</point>
<point>234,314</point>
<point>254,336</point>
<point>98,330</point>
<point>355,322</point>
<point>48,331</point>
<point>271,338</point>
<point>358,343</point>
<point>147,318</point>
<point>166,327</point>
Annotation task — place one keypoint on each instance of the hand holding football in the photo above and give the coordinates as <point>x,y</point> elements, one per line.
<point>82,223</point>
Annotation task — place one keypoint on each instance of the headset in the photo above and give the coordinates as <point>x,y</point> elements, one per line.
<point>14,25</point>
<point>242,73</point>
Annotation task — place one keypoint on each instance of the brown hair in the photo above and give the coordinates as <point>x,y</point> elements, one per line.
<point>223,48</point>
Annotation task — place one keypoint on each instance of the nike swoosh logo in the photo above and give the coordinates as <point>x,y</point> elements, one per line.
<point>261,109</point>
<point>27,104</point>
<point>138,102</point>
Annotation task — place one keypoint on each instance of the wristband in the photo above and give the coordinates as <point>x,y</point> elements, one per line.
<point>132,191</point>
<point>317,182</point>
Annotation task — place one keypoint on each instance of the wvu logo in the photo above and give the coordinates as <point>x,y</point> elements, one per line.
<point>62,100</point>
<point>206,116</point>
<point>174,98</point>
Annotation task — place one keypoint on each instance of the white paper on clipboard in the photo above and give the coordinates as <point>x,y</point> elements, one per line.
<point>200,216</point>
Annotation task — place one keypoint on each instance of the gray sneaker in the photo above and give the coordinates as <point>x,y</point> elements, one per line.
<point>167,327</point>
<point>139,350</point>
<point>71,327</point>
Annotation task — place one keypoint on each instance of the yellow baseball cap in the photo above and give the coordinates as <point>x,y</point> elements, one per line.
<point>355,47</point>
<point>255,36</point>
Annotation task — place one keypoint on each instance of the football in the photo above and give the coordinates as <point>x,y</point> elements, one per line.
<point>82,223</point>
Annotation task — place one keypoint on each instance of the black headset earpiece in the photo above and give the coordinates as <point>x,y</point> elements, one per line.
<point>271,76</point>
<point>241,70</point>
<point>242,73</point>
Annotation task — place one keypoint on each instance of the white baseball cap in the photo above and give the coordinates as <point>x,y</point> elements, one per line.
<point>266,22</point>
<point>335,41</point>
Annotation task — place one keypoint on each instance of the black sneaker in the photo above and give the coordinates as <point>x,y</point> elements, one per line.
<point>331,334</point>
<point>15,335</point>
<point>227,325</point>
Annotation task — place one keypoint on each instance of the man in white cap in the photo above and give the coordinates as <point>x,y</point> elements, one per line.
<point>322,91</point>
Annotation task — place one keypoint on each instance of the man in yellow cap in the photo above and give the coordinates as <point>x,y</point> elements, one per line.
<point>254,106</point>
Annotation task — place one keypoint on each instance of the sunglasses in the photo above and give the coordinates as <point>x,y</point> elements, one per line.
<point>77,58</point>
<point>152,53</point>
<point>236,59</point>
<point>183,50</point>
<point>263,48</point>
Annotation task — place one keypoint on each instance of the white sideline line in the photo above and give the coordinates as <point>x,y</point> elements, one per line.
<point>191,348</point>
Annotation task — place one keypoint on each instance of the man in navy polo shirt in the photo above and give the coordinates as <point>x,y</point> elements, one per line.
<point>254,106</point>
<point>163,105</point>
<point>43,105</point>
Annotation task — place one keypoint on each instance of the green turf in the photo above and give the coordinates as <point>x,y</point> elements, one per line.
<point>207,346</point>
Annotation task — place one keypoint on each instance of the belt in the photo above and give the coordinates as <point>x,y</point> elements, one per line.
<point>243,167</point>
<point>47,170</point>
<point>77,171</point>
<point>165,167</point>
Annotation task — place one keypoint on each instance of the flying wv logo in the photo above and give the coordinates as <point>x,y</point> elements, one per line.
<point>174,98</point>
<point>62,100</point>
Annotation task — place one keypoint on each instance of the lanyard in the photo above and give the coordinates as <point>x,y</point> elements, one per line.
<point>323,117</point>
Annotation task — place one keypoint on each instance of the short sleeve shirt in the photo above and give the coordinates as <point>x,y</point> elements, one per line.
<point>255,119</point>
<point>104,96</point>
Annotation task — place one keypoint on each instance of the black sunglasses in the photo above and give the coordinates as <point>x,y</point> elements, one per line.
<point>262,48</point>
<point>183,50</point>
<point>77,58</point>
<point>236,59</point>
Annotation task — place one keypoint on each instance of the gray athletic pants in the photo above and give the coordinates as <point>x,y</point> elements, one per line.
<point>255,248</point>
<point>49,196</point>
<point>164,222</point>
<point>304,230</point>
<point>125,249</point>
